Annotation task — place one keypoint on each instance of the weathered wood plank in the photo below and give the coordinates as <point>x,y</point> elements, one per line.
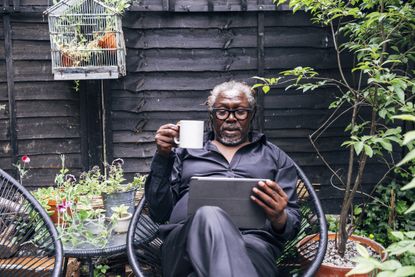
<point>47,128</point>
<point>3,94</point>
<point>203,6</point>
<point>4,128</point>
<point>53,108</point>
<point>29,70</point>
<point>281,99</point>
<point>178,80</point>
<point>39,50</point>
<point>31,31</point>
<point>56,90</point>
<point>50,146</point>
<point>300,119</point>
<point>142,122</point>
<point>171,104</point>
<point>6,163</point>
<point>227,60</point>
<point>44,177</point>
<point>229,38</point>
<point>132,150</point>
<point>133,137</point>
<point>223,21</point>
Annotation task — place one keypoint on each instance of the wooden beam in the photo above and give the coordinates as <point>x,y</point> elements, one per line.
<point>261,64</point>
<point>106,102</point>
<point>211,6</point>
<point>8,49</point>
<point>172,5</point>
<point>244,5</point>
<point>84,126</point>
<point>166,5</point>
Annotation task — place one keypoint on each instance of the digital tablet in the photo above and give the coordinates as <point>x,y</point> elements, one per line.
<point>230,194</point>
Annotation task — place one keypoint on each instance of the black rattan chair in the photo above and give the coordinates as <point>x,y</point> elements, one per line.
<point>29,244</point>
<point>143,243</point>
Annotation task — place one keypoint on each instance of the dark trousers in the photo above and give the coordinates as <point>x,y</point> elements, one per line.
<point>209,244</point>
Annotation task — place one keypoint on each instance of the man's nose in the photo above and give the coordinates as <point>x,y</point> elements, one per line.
<point>231,117</point>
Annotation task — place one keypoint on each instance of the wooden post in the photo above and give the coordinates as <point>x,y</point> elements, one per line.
<point>8,49</point>
<point>106,105</point>
<point>91,131</point>
<point>261,63</point>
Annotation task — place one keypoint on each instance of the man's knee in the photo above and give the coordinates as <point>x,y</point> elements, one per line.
<point>210,215</point>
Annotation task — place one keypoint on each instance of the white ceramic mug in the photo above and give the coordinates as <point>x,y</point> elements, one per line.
<point>191,134</point>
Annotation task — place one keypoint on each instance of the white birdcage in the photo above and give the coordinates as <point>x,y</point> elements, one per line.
<point>86,39</point>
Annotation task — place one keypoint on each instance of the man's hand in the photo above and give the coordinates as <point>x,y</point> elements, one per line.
<point>273,200</point>
<point>165,138</point>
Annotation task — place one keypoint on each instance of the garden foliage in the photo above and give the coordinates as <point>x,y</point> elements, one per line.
<point>379,36</point>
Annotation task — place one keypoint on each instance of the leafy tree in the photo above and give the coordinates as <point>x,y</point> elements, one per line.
<point>379,35</point>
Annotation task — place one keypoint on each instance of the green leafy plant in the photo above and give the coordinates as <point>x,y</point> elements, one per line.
<point>378,35</point>
<point>101,270</point>
<point>120,211</point>
<point>115,181</point>
<point>401,261</point>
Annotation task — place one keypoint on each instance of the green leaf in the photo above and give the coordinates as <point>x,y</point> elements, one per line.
<point>368,151</point>
<point>405,271</point>
<point>385,274</point>
<point>358,147</point>
<point>398,235</point>
<point>404,117</point>
<point>362,250</point>
<point>410,156</point>
<point>361,268</point>
<point>390,265</point>
<point>411,209</point>
<point>408,137</point>
<point>386,145</point>
<point>265,89</point>
<point>410,185</point>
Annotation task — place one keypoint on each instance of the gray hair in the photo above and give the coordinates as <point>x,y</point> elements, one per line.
<point>232,88</point>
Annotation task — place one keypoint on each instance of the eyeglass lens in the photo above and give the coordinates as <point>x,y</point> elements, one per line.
<point>223,114</point>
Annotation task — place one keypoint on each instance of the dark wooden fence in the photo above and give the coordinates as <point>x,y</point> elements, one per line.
<point>176,52</point>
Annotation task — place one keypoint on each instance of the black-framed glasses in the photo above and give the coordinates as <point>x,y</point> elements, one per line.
<point>223,114</point>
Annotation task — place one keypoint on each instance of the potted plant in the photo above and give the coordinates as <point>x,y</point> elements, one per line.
<point>121,218</point>
<point>58,201</point>
<point>114,189</point>
<point>377,36</point>
<point>108,40</point>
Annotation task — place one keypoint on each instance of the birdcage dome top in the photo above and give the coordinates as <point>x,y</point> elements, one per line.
<point>67,7</point>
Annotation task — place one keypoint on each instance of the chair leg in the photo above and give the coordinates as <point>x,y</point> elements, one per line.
<point>65,266</point>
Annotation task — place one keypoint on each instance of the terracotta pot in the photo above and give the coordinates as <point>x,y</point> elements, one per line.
<point>109,40</point>
<point>55,212</point>
<point>66,60</point>
<point>329,270</point>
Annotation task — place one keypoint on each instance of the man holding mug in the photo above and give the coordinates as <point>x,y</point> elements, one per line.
<point>208,243</point>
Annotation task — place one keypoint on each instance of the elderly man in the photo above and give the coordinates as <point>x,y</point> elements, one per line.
<point>208,243</point>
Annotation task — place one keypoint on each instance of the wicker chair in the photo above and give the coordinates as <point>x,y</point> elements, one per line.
<point>29,244</point>
<point>143,243</point>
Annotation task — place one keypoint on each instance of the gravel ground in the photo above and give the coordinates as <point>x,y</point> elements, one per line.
<point>332,257</point>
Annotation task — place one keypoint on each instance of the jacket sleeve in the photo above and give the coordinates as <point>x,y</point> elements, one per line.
<point>287,179</point>
<point>160,186</point>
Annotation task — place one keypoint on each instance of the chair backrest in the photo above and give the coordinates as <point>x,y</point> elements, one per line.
<point>304,254</point>
<point>29,244</point>
<point>297,259</point>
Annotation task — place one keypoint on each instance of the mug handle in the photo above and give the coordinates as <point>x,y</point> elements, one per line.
<point>176,140</point>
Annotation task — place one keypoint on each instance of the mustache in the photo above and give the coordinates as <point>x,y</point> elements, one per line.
<point>231,127</point>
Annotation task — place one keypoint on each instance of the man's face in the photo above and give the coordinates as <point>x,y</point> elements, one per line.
<point>231,131</point>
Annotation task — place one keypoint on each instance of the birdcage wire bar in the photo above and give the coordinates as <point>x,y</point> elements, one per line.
<point>87,41</point>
